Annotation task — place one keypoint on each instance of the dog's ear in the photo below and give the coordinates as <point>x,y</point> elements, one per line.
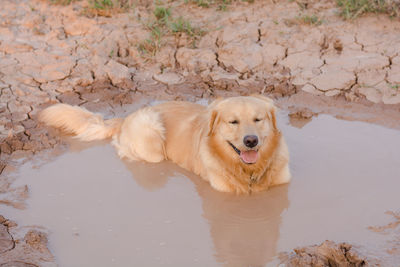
<point>271,108</point>
<point>212,121</point>
<point>272,117</point>
<point>213,117</point>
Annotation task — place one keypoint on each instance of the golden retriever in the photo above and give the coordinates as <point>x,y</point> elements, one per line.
<point>234,143</point>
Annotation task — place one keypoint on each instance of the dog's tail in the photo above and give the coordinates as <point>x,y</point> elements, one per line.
<point>78,121</point>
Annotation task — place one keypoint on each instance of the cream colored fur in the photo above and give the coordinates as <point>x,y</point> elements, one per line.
<point>141,137</point>
<point>193,136</point>
<point>80,122</point>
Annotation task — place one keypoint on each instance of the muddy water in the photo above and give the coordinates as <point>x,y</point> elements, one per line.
<point>102,211</point>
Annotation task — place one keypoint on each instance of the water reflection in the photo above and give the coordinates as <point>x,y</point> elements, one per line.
<point>149,176</point>
<point>244,229</point>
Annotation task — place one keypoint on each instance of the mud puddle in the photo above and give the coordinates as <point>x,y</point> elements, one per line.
<point>102,211</point>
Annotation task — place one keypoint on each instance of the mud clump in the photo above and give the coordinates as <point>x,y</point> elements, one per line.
<point>37,240</point>
<point>300,116</point>
<point>29,251</point>
<point>327,254</point>
<point>301,113</point>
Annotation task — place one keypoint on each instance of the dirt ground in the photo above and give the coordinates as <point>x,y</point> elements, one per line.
<point>53,53</point>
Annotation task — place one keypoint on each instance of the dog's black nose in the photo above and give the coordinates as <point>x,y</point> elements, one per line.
<point>250,140</point>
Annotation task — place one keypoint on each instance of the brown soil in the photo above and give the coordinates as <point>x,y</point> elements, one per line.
<point>27,251</point>
<point>299,116</point>
<point>230,230</point>
<point>52,53</point>
<point>326,254</point>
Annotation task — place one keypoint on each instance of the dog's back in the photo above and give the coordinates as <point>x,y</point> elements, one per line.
<point>185,124</point>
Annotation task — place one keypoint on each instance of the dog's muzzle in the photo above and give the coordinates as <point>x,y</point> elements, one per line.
<point>248,157</point>
<point>234,148</point>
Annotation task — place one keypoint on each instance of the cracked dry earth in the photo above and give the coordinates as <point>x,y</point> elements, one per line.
<point>51,53</point>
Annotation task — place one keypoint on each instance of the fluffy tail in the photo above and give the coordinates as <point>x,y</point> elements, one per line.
<point>78,121</point>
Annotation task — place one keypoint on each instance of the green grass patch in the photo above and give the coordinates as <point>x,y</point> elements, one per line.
<point>310,19</point>
<point>62,2</point>
<point>351,9</point>
<point>394,86</point>
<point>221,5</point>
<point>303,19</point>
<point>162,25</point>
<point>101,4</point>
<point>182,25</point>
<point>162,14</point>
<point>107,7</point>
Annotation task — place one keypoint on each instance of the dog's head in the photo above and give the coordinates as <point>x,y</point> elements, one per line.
<point>240,127</point>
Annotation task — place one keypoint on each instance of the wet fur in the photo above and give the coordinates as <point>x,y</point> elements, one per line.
<point>189,135</point>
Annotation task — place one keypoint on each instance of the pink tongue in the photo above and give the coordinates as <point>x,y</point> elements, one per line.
<point>249,156</point>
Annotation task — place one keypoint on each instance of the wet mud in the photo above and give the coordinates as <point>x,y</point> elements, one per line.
<point>28,250</point>
<point>336,194</point>
<point>326,254</point>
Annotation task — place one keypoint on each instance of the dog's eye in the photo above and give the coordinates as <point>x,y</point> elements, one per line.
<point>234,122</point>
<point>257,120</point>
